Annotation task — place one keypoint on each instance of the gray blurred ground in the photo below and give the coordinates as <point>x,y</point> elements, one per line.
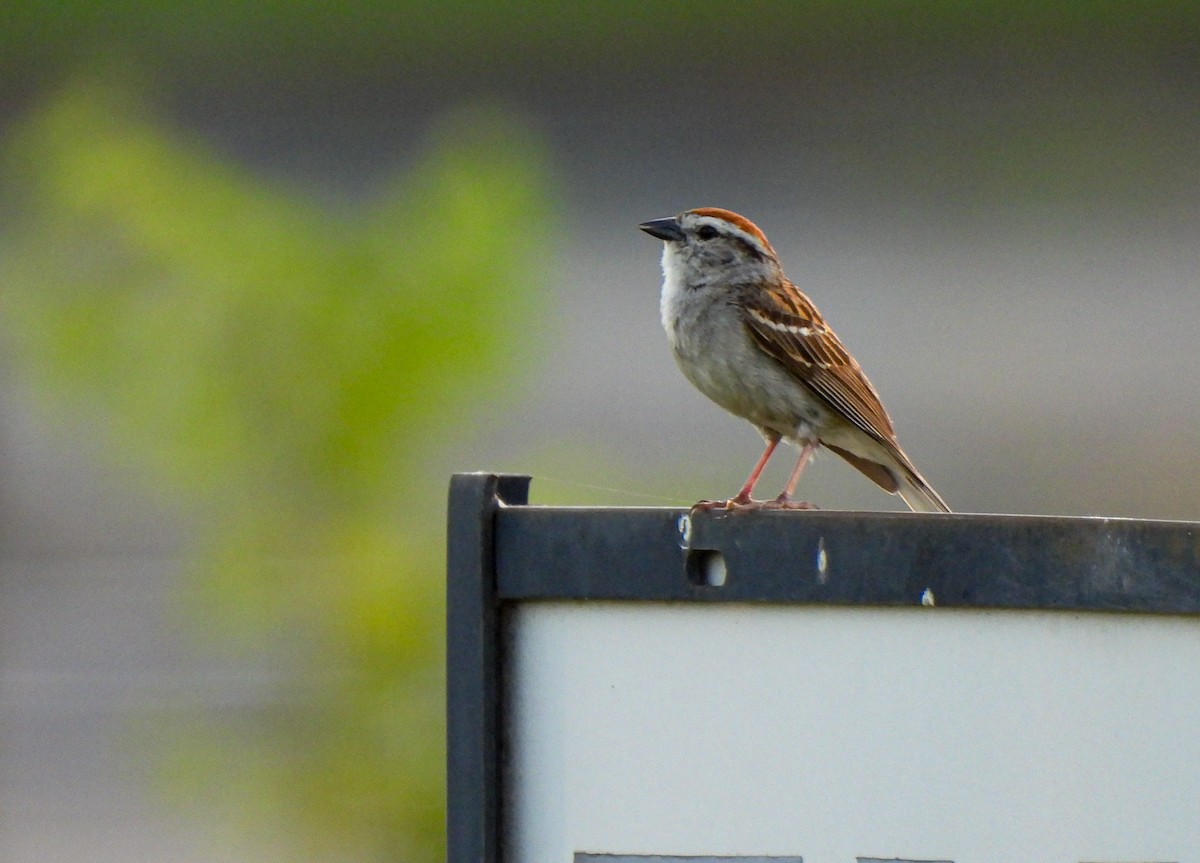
<point>1008,245</point>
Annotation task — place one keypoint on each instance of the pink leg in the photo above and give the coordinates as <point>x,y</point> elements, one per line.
<point>742,500</point>
<point>806,455</point>
<point>743,496</point>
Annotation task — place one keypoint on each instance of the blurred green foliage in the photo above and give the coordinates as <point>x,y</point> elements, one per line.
<point>289,368</point>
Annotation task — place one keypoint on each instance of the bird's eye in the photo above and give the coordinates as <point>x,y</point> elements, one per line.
<point>706,232</point>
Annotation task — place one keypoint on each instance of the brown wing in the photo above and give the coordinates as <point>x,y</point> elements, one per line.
<point>788,327</point>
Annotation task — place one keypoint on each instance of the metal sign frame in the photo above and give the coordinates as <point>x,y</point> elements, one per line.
<point>502,551</point>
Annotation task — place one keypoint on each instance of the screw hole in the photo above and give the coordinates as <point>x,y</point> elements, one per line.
<point>706,568</point>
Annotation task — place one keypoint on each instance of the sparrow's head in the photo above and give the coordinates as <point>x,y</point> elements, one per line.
<point>709,244</point>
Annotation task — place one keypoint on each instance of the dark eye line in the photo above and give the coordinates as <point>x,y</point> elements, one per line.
<point>751,249</point>
<point>708,232</point>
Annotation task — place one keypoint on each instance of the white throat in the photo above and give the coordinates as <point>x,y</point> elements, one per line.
<point>674,289</point>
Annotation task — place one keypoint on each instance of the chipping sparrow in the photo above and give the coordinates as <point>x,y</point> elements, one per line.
<point>748,339</point>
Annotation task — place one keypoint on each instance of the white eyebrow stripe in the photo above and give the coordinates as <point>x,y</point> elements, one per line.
<point>730,228</point>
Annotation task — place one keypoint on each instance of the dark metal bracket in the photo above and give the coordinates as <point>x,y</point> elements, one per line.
<point>501,550</point>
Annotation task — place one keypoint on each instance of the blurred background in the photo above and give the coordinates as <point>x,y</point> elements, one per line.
<point>270,272</point>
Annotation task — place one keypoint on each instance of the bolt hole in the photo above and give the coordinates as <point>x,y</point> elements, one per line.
<point>706,568</point>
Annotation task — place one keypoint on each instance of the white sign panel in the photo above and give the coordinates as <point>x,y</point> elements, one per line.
<point>836,735</point>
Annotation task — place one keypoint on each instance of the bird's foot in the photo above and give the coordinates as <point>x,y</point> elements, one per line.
<point>784,502</point>
<point>710,505</point>
<point>743,504</point>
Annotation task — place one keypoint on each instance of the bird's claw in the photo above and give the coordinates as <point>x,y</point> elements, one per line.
<point>787,503</point>
<point>710,505</point>
<point>735,505</point>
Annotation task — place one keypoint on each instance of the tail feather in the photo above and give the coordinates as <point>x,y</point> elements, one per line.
<point>899,477</point>
<point>918,494</point>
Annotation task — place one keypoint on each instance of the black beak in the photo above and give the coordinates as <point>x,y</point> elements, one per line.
<point>664,229</point>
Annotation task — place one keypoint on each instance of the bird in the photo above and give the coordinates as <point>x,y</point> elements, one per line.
<point>750,340</point>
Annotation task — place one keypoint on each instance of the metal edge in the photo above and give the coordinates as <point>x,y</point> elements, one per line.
<point>473,664</point>
<point>851,558</point>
